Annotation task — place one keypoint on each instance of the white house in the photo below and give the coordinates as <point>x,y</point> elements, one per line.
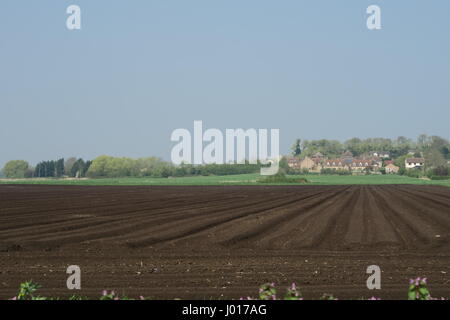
<point>412,163</point>
<point>383,155</point>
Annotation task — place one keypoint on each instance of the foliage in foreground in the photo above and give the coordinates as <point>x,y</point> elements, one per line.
<point>418,290</point>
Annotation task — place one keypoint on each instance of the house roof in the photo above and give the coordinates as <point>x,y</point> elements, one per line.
<point>391,165</point>
<point>335,161</point>
<point>349,162</point>
<point>416,160</point>
<point>361,162</point>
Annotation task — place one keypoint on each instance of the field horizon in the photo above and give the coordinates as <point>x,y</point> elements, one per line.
<point>232,180</point>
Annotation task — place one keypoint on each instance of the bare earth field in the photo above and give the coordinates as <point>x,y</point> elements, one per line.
<point>221,242</point>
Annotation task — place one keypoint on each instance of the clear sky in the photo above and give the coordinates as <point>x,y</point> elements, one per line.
<point>137,70</point>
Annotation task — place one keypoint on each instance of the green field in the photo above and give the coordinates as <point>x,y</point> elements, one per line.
<point>244,179</point>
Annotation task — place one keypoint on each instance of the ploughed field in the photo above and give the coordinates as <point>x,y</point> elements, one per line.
<point>224,241</point>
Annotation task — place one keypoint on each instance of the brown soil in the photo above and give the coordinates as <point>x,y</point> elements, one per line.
<point>223,242</point>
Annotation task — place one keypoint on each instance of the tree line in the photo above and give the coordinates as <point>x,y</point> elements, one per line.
<point>72,167</point>
<point>117,167</point>
<point>113,167</point>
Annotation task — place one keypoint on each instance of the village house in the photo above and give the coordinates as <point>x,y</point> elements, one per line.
<point>318,164</point>
<point>376,162</point>
<point>347,162</point>
<point>360,165</point>
<point>382,154</point>
<point>294,163</point>
<point>310,164</point>
<point>414,163</point>
<point>337,164</point>
<point>392,168</point>
<point>354,165</point>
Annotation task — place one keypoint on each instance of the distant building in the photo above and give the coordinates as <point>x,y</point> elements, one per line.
<point>355,165</point>
<point>414,163</point>
<point>337,164</point>
<point>346,162</point>
<point>294,163</point>
<point>391,168</point>
<point>376,162</point>
<point>318,164</point>
<point>359,165</point>
<point>307,164</point>
<point>381,154</point>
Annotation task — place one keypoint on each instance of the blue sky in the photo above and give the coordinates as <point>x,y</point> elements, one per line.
<point>137,70</point>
